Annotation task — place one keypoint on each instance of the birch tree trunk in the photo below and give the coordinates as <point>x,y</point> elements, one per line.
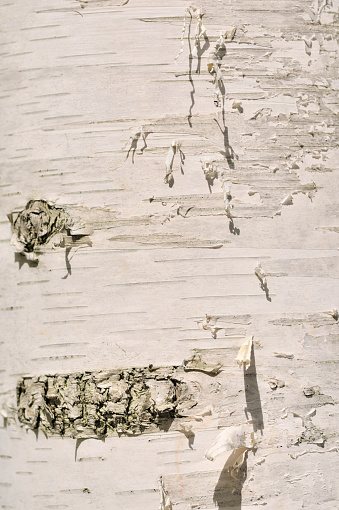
<point>190,171</point>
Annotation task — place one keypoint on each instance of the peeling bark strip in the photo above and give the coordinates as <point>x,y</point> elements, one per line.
<point>94,404</point>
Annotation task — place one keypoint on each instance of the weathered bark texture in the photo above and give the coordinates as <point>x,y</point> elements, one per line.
<point>202,194</point>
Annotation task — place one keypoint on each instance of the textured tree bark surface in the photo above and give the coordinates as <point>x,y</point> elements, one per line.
<point>206,188</point>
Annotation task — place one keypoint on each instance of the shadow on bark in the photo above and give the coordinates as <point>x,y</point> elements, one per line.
<point>233,229</point>
<point>264,287</point>
<point>21,260</point>
<point>227,492</point>
<point>190,60</point>
<point>134,144</point>
<point>252,394</point>
<point>228,153</point>
<point>68,263</point>
<point>201,51</point>
<point>164,423</point>
<point>80,440</point>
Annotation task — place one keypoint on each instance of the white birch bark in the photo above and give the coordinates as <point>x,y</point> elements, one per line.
<point>92,100</point>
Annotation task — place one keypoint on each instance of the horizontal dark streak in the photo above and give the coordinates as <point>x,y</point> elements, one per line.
<point>55,358</point>
<point>62,293</point>
<point>217,259</point>
<point>33,282</point>
<point>143,329</point>
<point>49,38</point>
<point>89,54</point>
<point>128,284</point>
<point>225,296</point>
<point>65,321</point>
<point>40,27</point>
<point>37,462</point>
<point>128,312</point>
<point>65,307</point>
<point>135,492</point>
<point>93,191</point>
<point>55,94</point>
<point>65,344</point>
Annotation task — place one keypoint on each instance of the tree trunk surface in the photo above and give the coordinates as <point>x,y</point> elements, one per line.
<point>184,174</point>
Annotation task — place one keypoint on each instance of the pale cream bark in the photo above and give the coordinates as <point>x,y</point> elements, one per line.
<point>96,111</point>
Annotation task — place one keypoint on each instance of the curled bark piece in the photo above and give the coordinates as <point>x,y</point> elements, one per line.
<point>200,30</point>
<point>132,143</point>
<point>259,272</point>
<point>236,460</point>
<point>227,199</point>
<point>165,502</point>
<point>196,363</point>
<point>233,439</point>
<point>174,148</point>
<point>210,169</point>
<point>309,392</point>
<point>215,71</point>
<point>35,225</point>
<point>78,229</point>
<point>276,383</point>
<point>308,45</point>
<point>209,324</point>
<point>219,49</point>
<point>214,63</point>
<point>244,354</point>
<point>283,355</point>
<point>237,105</point>
<point>311,434</point>
<point>208,411</point>
<point>183,30</point>
<point>306,420</point>
<point>334,313</point>
<point>177,210</point>
<point>287,200</point>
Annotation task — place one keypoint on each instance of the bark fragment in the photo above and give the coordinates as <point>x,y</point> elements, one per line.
<point>235,439</point>
<point>209,324</point>
<point>245,351</point>
<point>197,363</point>
<point>276,383</point>
<point>165,502</point>
<point>35,225</point>
<point>311,433</point>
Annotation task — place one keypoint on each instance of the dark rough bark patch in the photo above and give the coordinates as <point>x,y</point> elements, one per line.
<point>35,225</point>
<point>94,404</point>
